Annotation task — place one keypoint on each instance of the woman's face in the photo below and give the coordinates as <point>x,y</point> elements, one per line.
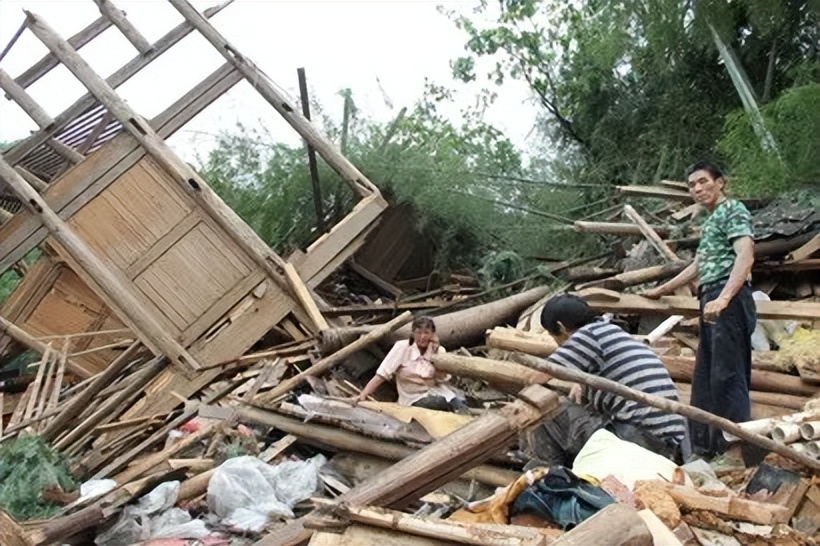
<point>422,336</point>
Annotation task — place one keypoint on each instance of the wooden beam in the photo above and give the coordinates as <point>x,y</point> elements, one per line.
<point>614,228</point>
<point>119,20</point>
<point>327,363</point>
<point>489,534</point>
<point>24,338</point>
<point>242,234</point>
<point>656,191</point>
<point>615,302</point>
<point>47,63</point>
<point>282,104</point>
<point>17,152</point>
<point>303,296</point>
<point>111,282</point>
<point>806,250</point>
<point>650,234</point>
<point>497,373</point>
<point>25,101</point>
<point>23,235</point>
<point>343,440</point>
<point>65,151</point>
<point>613,525</point>
<point>36,182</point>
<point>638,276</point>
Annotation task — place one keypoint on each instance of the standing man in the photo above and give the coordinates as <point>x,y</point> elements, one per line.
<point>723,266</point>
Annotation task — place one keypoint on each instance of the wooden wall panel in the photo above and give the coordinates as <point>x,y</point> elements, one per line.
<point>127,219</point>
<point>192,276</point>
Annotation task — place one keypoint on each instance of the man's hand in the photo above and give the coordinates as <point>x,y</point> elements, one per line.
<point>654,293</point>
<point>576,393</point>
<point>714,308</point>
<point>354,400</point>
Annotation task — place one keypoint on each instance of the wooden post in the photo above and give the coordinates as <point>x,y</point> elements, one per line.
<point>118,18</point>
<point>65,151</point>
<point>304,297</point>
<point>24,338</point>
<point>80,402</point>
<point>325,364</point>
<point>24,101</point>
<point>116,288</point>
<point>358,181</point>
<point>606,385</point>
<point>311,152</point>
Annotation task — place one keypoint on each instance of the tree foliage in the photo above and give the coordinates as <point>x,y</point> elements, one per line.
<point>633,90</point>
<point>465,181</point>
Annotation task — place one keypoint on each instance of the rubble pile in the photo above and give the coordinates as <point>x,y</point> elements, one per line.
<point>171,402</point>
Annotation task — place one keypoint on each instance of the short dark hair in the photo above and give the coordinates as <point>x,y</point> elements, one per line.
<point>708,166</point>
<point>570,310</point>
<point>421,322</point>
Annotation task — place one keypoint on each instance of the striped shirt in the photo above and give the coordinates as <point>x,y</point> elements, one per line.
<point>605,350</point>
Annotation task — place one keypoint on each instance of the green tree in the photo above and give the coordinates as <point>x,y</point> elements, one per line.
<point>633,90</point>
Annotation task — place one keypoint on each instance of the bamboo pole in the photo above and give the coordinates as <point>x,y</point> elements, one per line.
<point>672,406</point>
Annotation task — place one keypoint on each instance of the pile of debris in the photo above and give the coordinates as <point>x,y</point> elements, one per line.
<point>192,384</point>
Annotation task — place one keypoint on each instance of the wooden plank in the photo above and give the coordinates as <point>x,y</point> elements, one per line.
<point>806,250</point>
<point>304,297</point>
<point>80,401</point>
<point>118,18</point>
<point>21,336</point>
<point>608,300</point>
<point>326,249</point>
<point>77,187</point>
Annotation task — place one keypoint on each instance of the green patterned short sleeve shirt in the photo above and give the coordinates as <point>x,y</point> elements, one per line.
<point>716,255</point>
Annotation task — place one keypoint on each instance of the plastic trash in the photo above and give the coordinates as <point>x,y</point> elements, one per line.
<point>245,492</point>
<point>96,488</point>
<point>153,516</point>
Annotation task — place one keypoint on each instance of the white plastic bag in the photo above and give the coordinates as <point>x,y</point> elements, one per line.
<point>244,491</point>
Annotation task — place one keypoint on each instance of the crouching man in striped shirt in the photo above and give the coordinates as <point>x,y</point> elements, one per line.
<point>591,345</point>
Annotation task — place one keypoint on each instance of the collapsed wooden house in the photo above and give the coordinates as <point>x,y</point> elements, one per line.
<point>139,253</point>
<point>134,239</point>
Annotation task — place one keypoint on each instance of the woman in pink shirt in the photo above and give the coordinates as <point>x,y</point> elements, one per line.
<point>417,381</point>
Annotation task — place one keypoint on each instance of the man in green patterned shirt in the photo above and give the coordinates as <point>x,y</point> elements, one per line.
<point>723,266</point>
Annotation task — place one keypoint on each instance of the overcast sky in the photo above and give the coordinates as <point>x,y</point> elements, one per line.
<point>340,43</point>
